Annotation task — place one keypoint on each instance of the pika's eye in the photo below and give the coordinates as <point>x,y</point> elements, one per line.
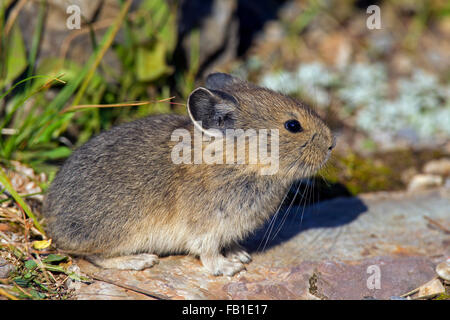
<point>293,126</point>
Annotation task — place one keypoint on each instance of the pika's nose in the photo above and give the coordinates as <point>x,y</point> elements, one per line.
<point>333,143</point>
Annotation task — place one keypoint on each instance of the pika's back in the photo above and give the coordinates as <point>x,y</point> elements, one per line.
<point>112,174</point>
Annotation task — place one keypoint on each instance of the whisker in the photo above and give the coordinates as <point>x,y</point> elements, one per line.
<point>293,166</point>
<point>288,211</point>
<point>325,180</point>
<point>272,222</point>
<point>286,214</point>
<point>303,212</point>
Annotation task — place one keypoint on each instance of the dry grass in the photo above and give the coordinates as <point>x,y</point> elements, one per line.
<point>39,271</point>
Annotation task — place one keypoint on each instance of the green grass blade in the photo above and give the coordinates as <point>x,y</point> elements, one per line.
<point>48,125</point>
<point>7,185</point>
<point>106,43</point>
<point>35,42</point>
<point>20,82</point>
<point>11,143</point>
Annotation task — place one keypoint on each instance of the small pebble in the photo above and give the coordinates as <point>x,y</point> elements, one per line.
<point>447,183</point>
<point>5,268</point>
<point>443,270</point>
<point>439,167</point>
<point>71,284</point>
<point>425,181</point>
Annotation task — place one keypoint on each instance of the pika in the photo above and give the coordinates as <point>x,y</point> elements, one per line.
<point>120,201</point>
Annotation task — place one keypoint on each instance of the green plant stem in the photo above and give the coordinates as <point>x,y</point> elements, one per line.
<point>35,43</point>
<point>48,122</point>
<point>104,47</point>
<point>7,185</point>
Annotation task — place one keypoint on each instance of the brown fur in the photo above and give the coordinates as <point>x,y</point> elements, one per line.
<point>121,195</point>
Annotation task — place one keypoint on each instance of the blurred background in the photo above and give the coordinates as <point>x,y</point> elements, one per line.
<point>385,92</point>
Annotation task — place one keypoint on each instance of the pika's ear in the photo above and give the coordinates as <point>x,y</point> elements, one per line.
<point>212,109</point>
<point>220,81</point>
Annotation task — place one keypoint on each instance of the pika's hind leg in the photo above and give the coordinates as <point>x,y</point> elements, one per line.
<point>135,262</point>
<point>237,253</point>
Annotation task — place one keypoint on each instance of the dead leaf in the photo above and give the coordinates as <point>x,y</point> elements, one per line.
<point>42,244</point>
<point>431,288</point>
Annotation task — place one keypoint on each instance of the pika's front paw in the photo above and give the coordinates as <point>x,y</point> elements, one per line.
<point>239,254</point>
<point>219,265</point>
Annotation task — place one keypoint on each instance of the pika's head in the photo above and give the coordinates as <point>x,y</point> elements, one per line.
<point>304,140</point>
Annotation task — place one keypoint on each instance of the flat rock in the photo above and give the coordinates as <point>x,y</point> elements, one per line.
<point>373,246</point>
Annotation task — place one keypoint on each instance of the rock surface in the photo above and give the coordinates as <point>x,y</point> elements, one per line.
<point>374,246</point>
